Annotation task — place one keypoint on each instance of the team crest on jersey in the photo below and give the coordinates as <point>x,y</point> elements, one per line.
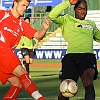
<point>88,26</point>
<point>18,29</point>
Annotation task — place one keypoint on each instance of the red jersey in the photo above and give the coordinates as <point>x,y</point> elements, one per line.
<point>11,30</point>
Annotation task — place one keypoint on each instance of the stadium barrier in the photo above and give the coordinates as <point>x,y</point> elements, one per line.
<point>49,54</point>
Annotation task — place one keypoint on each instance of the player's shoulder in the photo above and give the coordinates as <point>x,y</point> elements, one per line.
<point>3,12</point>
<point>23,21</point>
<point>90,21</point>
<point>24,24</point>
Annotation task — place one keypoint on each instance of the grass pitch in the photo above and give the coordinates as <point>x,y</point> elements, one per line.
<point>47,81</point>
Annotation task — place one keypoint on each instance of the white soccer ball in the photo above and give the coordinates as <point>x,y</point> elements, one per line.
<point>68,88</point>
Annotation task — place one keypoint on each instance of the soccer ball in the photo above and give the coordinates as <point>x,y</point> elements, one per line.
<point>68,88</point>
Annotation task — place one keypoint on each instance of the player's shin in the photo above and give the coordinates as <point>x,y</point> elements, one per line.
<point>30,87</point>
<point>12,93</point>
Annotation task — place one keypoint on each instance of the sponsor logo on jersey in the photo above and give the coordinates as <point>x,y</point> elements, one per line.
<point>11,31</point>
<point>83,26</point>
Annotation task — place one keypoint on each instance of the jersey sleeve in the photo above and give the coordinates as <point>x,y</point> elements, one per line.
<point>96,31</point>
<point>97,34</point>
<point>56,16</point>
<point>28,31</point>
<point>1,14</point>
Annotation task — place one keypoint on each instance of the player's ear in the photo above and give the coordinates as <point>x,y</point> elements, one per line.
<point>15,3</point>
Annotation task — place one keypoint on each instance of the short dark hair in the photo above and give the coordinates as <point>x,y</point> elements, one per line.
<point>77,4</point>
<point>27,18</point>
<point>18,1</point>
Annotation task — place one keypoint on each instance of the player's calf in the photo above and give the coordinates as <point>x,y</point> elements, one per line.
<point>30,87</point>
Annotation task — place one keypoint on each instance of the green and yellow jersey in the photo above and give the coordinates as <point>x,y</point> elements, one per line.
<point>78,33</point>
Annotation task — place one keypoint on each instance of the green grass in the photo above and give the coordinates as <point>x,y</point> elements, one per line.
<point>47,81</point>
<point>47,61</point>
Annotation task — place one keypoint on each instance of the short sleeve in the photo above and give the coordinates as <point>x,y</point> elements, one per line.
<point>28,31</point>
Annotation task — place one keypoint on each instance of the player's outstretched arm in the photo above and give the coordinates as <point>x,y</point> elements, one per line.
<point>57,10</point>
<point>40,34</point>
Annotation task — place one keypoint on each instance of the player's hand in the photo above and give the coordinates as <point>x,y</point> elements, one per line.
<point>22,43</point>
<point>46,23</point>
<point>73,2</point>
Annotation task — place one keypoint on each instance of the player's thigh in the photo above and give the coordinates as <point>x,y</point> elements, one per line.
<point>31,60</point>
<point>88,69</point>
<point>87,77</point>
<point>69,70</point>
<point>27,58</point>
<point>31,55</point>
<point>19,70</point>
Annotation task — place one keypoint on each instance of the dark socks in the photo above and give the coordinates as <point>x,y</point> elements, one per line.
<point>27,67</point>
<point>89,92</point>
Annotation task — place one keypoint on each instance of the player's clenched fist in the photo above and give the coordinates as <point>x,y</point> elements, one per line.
<point>73,2</point>
<point>46,23</point>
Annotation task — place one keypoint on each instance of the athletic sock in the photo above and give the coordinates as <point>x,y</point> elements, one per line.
<point>89,92</point>
<point>12,93</point>
<point>30,87</point>
<point>41,98</point>
<point>27,67</point>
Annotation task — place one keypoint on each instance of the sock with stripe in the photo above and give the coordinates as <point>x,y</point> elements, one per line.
<point>12,93</point>
<point>30,87</point>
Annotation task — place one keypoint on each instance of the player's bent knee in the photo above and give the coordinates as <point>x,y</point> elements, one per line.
<point>14,81</point>
<point>18,85</point>
<point>88,80</point>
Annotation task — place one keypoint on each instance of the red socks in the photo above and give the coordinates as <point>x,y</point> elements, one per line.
<point>41,98</point>
<point>30,87</point>
<point>12,93</point>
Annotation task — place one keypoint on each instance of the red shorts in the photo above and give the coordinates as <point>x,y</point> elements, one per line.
<point>8,62</point>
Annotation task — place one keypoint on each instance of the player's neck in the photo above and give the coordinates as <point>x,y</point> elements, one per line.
<point>14,13</point>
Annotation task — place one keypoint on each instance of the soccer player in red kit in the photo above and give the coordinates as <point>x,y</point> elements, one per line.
<point>12,27</point>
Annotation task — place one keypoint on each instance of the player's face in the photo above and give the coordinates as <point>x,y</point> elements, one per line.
<point>21,7</point>
<point>81,11</point>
